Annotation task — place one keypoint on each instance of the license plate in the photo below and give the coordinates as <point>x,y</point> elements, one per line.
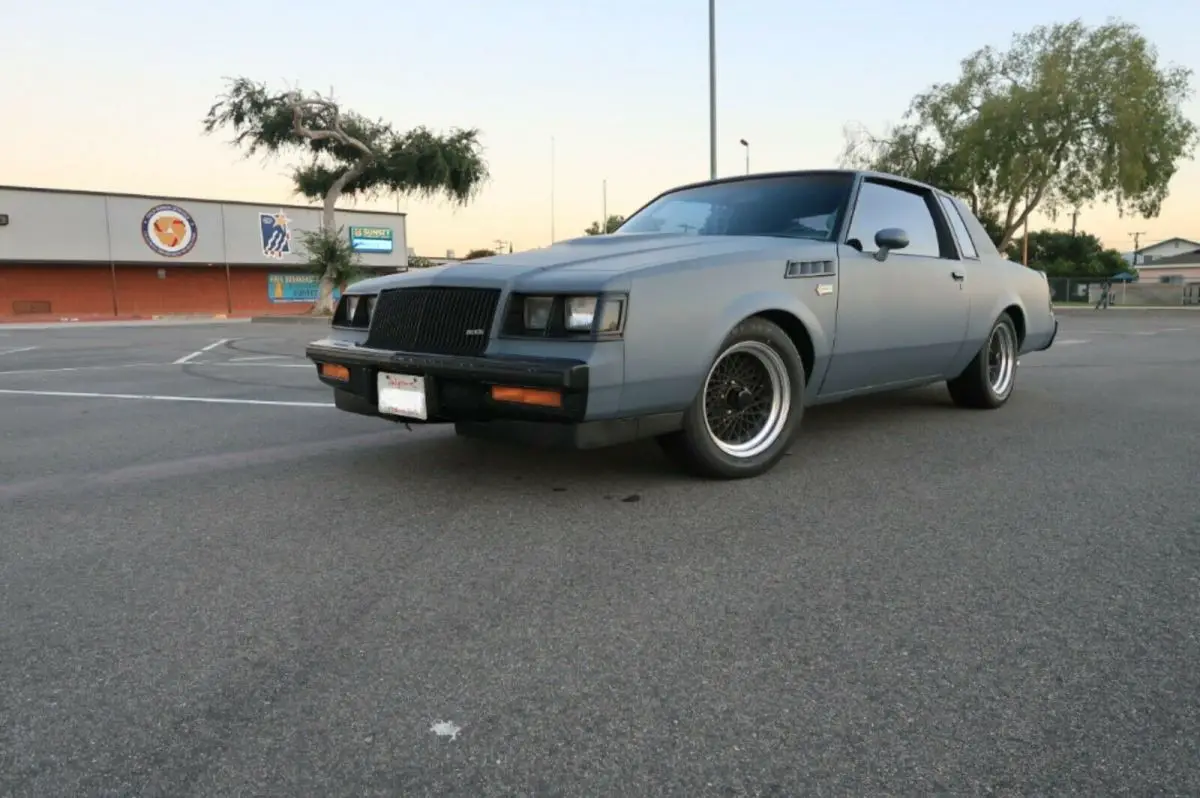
<point>402,395</point>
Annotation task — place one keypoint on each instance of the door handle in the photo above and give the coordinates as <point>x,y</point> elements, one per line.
<point>957,275</point>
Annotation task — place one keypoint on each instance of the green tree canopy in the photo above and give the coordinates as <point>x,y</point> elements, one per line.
<point>1068,116</point>
<point>344,153</point>
<point>1061,254</point>
<point>612,223</point>
<point>479,253</point>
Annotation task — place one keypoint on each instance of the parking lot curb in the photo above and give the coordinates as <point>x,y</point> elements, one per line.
<point>290,320</point>
<point>1127,308</point>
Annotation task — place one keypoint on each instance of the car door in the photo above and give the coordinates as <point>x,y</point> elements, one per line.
<point>902,319</point>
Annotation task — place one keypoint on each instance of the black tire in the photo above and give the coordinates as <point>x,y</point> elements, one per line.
<point>700,451</point>
<point>978,387</point>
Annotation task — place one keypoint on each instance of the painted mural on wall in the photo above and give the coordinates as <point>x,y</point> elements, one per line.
<point>276,234</point>
<point>169,230</point>
<point>283,287</point>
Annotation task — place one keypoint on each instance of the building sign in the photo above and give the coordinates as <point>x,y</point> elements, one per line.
<point>275,233</point>
<point>371,239</point>
<point>169,230</point>
<point>291,287</point>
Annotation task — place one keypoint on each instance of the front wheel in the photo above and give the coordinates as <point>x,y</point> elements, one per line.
<point>748,409</point>
<point>988,380</point>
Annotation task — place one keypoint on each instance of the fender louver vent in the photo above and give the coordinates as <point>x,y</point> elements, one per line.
<point>809,268</point>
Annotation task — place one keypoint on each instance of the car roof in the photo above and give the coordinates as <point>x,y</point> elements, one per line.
<point>800,172</point>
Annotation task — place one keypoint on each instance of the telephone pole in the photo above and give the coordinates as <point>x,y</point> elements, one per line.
<point>1137,237</point>
<point>1074,221</point>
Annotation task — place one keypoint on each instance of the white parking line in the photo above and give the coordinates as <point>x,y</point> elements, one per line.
<point>85,368</point>
<point>254,365</point>
<point>18,349</point>
<point>154,398</point>
<point>1069,341</point>
<point>199,352</point>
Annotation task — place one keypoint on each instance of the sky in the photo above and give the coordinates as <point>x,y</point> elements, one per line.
<point>569,97</point>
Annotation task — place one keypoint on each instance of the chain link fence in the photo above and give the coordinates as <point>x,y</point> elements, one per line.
<point>1068,290</point>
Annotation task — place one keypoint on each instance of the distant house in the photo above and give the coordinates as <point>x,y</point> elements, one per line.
<point>1181,268</point>
<point>1163,249</point>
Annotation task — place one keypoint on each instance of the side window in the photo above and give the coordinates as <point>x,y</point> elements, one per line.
<point>965,244</point>
<point>880,206</point>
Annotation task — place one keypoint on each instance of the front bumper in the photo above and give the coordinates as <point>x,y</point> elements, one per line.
<point>458,387</point>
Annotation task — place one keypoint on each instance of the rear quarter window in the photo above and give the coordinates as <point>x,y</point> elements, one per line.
<point>965,244</point>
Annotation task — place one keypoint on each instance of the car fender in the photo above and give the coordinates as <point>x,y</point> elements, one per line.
<point>746,305</point>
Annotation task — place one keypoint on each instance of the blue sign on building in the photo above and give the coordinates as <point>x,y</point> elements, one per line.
<point>283,287</point>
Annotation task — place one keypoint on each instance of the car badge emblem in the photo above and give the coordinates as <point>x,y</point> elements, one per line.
<point>823,289</point>
<point>474,332</point>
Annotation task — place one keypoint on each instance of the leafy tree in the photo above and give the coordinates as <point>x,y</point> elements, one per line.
<point>344,153</point>
<point>612,223</point>
<point>330,256</point>
<point>1068,116</point>
<point>479,253</point>
<point>418,262</point>
<point>1060,254</point>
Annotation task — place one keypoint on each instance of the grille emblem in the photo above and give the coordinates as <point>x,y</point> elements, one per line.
<point>474,332</point>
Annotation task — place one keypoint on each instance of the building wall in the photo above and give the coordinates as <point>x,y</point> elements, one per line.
<point>141,291</point>
<point>68,227</point>
<point>74,254</point>
<point>1187,272</point>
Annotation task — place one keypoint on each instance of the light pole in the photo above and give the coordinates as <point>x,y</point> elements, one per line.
<point>746,144</point>
<point>712,89</point>
<point>552,189</point>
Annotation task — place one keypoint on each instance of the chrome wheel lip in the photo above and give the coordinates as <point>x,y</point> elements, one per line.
<point>781,400</point>
<point>1001,348</point>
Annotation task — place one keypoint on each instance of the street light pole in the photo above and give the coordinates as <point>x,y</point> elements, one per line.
<point>712,89</point>
<point>552,189</point>
<point>746,144</point>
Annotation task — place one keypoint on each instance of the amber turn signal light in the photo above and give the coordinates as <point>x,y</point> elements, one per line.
<point>527,396</point>
<point>335,372</point>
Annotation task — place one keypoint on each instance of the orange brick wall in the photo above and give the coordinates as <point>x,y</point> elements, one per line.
<point>88,290</point>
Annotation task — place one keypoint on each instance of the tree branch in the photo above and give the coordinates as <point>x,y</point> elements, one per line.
<point>336,132</point>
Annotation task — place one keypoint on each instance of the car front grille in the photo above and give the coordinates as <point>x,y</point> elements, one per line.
<point>436,321</point>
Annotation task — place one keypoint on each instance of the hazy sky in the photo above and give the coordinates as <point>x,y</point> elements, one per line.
<point>109,95</point>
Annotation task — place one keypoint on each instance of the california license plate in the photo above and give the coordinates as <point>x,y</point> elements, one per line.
<point>402,395</point>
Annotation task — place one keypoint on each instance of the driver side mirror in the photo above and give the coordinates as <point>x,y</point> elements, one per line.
<point>888,239</point>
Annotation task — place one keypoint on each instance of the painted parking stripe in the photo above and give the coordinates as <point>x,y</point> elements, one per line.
<point>200,352</point>
<point>1070,341</point>
<point>215,400</point>
<point>17,349</point>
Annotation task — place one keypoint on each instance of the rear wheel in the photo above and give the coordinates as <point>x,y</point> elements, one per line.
<point>749,408</point>
<point>988,380</point>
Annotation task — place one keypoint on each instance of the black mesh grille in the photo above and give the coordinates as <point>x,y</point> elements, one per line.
<point>436,321</point>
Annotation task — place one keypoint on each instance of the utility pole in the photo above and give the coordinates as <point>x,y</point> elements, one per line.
<point>712,89</point>
<point>604,206</point>
<point>1074,221</point>
<point>1025,234</point>
<point>1137,237</point>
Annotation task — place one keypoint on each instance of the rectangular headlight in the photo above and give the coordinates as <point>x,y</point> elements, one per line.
<point>537,311</point>
<point>580,312</point>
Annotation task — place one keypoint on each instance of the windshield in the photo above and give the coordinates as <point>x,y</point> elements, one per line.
<point>794,206</point>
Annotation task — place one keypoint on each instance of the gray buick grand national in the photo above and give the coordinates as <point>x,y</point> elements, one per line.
<point>709,321</point>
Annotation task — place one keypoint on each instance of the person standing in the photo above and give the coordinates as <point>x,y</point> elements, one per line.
<point>1105,294</point>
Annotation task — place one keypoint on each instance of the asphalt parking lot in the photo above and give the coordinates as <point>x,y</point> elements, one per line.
<point>212,583</point>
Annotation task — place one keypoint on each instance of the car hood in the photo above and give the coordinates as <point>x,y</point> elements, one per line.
<point>598,256</point>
